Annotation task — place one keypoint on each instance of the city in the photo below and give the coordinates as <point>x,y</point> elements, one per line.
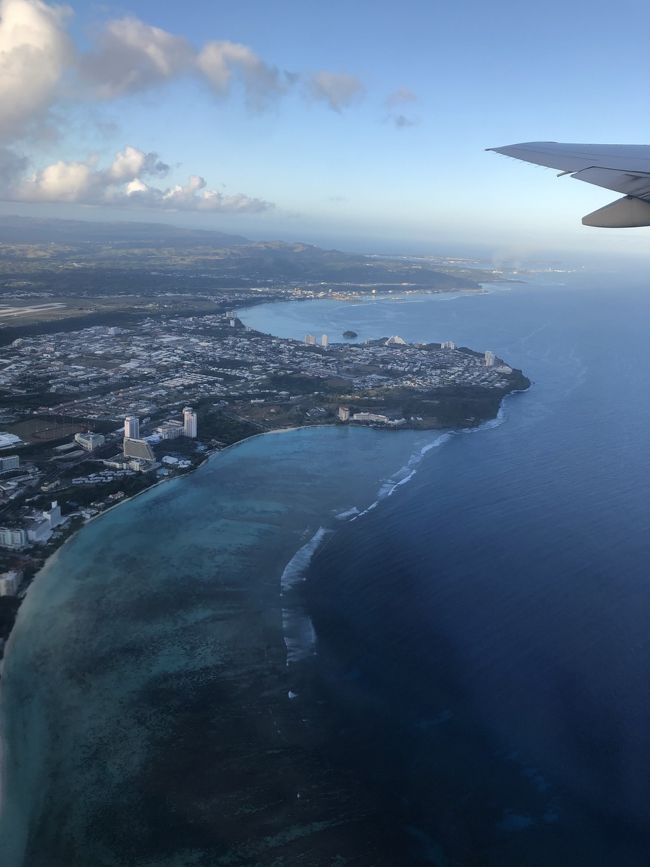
<point>96,415</point>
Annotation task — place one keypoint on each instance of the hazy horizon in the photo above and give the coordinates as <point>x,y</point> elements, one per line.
<point>372,135</point>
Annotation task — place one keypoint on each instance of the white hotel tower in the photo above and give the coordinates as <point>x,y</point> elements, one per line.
<point>132,427</point>
<point>189,422</point>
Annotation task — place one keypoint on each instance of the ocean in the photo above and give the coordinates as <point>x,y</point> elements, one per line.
<point>336,646</point>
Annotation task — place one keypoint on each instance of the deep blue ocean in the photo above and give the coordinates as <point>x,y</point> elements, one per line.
<point>457,671</point>
<point>486,633</point>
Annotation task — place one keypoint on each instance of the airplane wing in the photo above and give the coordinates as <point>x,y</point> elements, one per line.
<point>623,168</point>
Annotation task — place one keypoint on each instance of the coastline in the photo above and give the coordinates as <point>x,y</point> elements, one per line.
<point>51,558</point>
<point>256,674</point>
<point>296,678</point>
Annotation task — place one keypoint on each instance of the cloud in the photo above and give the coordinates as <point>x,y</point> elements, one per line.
<point>193,196</point>
<point>43,74</point>
<point>122,184</point>
<point>132,162</point>
<point>34,54</point>
<point>132,56</point>
<point>338,89</point>
<point>223,62</point>
<point>12,166</point>
<point>401,120</point>
<point>128,57</point>
<point>396,101</point>
<point>401,96</point>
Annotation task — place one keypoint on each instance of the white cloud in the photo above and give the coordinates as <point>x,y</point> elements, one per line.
<point>122,184</point>
<point>42,72</point>
<point>338,89</point>
<point>34,53</point>
<point>132,162</point>
<point>395,103</point>
<point>131,56</point>
<point>401,96</point>
<point>59,182</point>
<point>222,62</point>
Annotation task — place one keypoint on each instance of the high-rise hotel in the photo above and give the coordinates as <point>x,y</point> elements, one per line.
<point>189,422</point>
<point>131,427</point>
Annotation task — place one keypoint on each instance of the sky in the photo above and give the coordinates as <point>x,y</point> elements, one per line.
<point>360,125</point>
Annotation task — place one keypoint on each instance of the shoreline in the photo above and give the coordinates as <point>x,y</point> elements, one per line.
<point>51,558</point>
<point>295,682</point>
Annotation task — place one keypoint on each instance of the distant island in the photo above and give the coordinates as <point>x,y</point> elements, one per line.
<point>350,335</point>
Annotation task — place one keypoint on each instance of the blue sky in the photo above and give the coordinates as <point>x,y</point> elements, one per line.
<point>386,153</point>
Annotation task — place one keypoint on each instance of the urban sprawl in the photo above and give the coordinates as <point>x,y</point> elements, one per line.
<point>93,416</point>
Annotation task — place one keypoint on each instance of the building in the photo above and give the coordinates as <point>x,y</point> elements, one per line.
<point>395,340</point>
<point>140,465</point>
<point>39,530</point>
<point>490,359</point>
<point>448,344</point>
<point>135,448</point>
<point>90,441</point>
<point>11,462</point>
<point>53,516</point>
<point>10,582</point>
<point>344,413</point>
<point>324,341</point>
<point>131,427</point>
<point>377,418</point>
<point>170,430</point>
<point>8,440</point>
<point>12,538</point>
<point>119,462</point>
<point>310,340</point>
<point>189,422</point>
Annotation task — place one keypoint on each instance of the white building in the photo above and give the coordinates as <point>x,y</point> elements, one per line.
<point>53,516</point>
<point>344,413</point>
<point>490,359</point>
<point>369,417</point>
<point>395,340</point>
<point>39,531</point>
<point>131,427</point>
<point>12,538</point>
<point>90,441</point>
<point>141,465</point>
<point>11,462</point>
<point>448,344</point>
<point>310,340</point>
<point>324,341</point>
<point>170,430</point>
<point>189,422</point>
<point>10,582</point>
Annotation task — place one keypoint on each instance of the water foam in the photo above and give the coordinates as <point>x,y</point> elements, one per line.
<point>298,630</point>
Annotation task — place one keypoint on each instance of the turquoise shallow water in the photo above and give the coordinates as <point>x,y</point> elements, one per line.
<point>167,597</point>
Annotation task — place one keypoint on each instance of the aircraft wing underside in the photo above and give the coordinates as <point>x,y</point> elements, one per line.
<point>622,168</point>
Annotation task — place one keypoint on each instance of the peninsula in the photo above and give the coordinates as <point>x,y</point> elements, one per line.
<point>83,348</point>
